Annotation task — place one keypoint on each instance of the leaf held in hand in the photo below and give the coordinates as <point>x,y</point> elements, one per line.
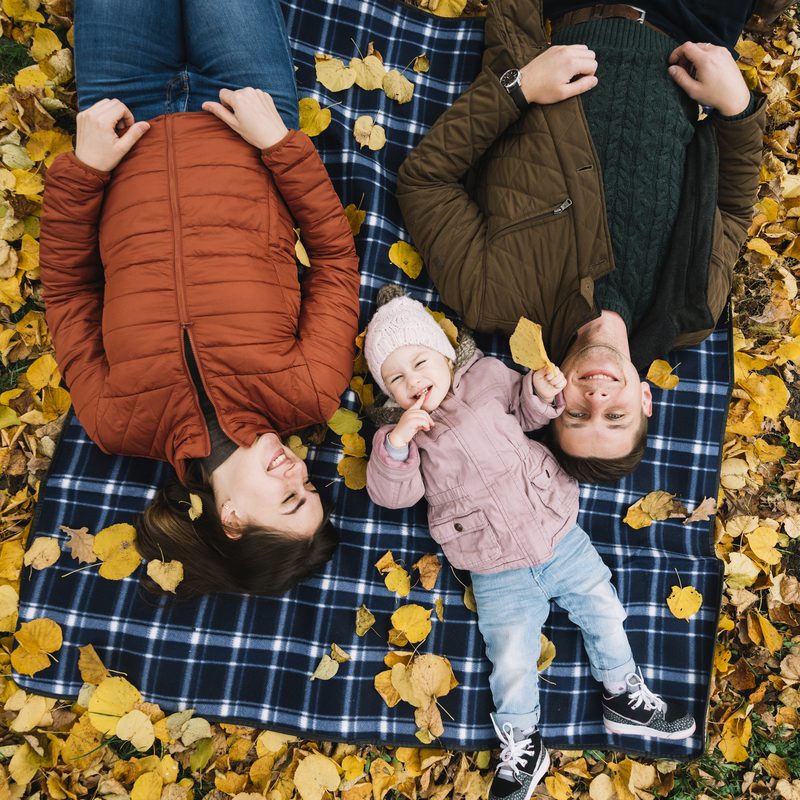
<point>527,346</point>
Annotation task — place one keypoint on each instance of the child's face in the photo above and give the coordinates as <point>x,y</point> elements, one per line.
<point>414,370</point>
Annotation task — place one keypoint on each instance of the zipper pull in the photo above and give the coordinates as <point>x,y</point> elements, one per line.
<point>563,207</point>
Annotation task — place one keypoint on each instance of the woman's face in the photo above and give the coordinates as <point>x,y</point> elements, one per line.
<point>267,485</point>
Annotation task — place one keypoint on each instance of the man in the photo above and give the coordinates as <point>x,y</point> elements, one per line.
<point>572,184</point>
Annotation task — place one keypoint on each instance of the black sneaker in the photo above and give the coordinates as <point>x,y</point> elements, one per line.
<point>523,762</point>
<point>639,712</point>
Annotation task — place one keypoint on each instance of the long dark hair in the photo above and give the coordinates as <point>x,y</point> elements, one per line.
<point>260,561</point>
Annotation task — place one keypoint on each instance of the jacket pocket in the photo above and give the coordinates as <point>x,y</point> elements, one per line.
<point>535,219</point>
<point>468,539</point>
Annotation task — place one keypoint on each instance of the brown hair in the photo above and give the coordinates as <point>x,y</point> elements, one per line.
<point>599,470</point>
<point>259,562</point>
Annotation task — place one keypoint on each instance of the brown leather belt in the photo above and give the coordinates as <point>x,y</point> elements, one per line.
<point>601,11</point>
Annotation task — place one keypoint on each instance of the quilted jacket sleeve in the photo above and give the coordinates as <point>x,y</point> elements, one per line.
<point>329,304</point>
<point>390,483</point>
<point>73,280</point>
<point>432,196</point>
<point>740,143</point>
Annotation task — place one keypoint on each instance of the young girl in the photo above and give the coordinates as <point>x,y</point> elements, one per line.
<point>501,507</point>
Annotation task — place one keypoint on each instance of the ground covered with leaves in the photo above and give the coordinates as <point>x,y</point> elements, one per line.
<point>110,743</point>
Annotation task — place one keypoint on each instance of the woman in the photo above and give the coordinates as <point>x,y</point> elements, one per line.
<point>171,286</point>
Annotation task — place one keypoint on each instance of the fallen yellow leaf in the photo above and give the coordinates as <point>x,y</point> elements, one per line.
<point>660,374</point>
<point>313,119</point>
<point>332,73</point>
<point>315,775</point>
<point>36,639</point>
<point>407,257</point>
<point>684,602</point>
<point>368,134</point>
<point>414,621</point>
<point>115,546</point>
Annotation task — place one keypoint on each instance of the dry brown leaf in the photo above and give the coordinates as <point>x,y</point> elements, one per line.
<point>80,544</point>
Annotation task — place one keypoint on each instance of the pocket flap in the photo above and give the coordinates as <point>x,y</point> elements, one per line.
<point>445,530</point>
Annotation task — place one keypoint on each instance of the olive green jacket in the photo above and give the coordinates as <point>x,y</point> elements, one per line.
<point>507,208</point>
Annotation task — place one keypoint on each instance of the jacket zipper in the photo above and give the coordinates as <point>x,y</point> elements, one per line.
<point>545,216</point>
<point>183,315</point>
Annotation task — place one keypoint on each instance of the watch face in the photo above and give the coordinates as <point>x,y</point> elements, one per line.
<point>510,78</point>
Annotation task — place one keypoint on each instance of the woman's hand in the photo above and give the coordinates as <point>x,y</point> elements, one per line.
<point>709,75</point>
<point>559,72</point>
<point>548,382</point>
<point>251,113</point>
<point>414,419</point>
<point>106,132</point>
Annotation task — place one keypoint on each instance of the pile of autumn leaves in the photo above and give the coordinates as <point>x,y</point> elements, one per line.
<point>88,746</point>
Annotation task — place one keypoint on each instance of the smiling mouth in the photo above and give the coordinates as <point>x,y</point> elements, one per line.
<point>598,375</point>
<point>276,461</point>
<point>423,392</point>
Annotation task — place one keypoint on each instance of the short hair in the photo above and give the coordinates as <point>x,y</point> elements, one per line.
<point>591,469</point>
<point>261,561</point>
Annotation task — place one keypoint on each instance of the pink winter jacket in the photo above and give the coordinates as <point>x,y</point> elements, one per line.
<point>497,500</point>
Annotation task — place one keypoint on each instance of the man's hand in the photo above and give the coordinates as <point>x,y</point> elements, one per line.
<point>106,132</point>
<point>414,419</point>
<point>548,383</point>
<point>709,75</point>
<point>559,72</point>
<point>251,113</point>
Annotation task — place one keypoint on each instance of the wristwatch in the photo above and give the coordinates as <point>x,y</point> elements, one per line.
<point>510,81</point>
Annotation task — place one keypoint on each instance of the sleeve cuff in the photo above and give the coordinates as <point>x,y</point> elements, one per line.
<point>751,107</point>
<point>395,453</point>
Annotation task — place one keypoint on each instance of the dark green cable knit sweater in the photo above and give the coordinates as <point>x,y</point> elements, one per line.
<point>641,124</point>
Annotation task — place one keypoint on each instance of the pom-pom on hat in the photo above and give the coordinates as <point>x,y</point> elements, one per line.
<point>400,322</point>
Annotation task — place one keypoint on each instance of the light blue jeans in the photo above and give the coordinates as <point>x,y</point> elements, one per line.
<point>163,56</point>
<point>513,607</point>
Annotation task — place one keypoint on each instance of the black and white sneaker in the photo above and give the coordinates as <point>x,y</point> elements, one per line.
<point>639,712</point>
<point>523,762</point>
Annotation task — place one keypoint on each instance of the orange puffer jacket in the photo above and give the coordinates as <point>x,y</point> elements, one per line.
<point>192,236</point>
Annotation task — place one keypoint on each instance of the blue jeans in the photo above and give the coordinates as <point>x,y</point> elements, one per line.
<point>513,606</point>
<point>163,56</point>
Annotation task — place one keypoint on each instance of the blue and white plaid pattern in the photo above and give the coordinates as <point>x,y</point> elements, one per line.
<point>248,659</point>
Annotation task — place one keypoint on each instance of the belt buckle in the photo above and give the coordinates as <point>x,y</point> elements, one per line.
<point>642,14</point>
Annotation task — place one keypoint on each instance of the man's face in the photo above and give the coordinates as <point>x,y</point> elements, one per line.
<point>604,403</point>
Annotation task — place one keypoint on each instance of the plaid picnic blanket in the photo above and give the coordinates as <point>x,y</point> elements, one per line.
<point>249,659</point>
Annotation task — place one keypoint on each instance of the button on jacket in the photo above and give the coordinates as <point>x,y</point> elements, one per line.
<point>192,236</point>
<point>497,500</point>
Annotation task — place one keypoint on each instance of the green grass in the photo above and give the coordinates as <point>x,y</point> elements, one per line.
<point>13,57</point>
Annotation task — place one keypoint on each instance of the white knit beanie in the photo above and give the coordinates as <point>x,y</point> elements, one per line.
<point>400,322</point>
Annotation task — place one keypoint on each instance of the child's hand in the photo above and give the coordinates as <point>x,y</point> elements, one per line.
<point>548,382</point>
<point>414,419</point>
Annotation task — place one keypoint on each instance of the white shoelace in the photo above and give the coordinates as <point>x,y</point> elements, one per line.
<point>512,752</point>
<point>639,694</point>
